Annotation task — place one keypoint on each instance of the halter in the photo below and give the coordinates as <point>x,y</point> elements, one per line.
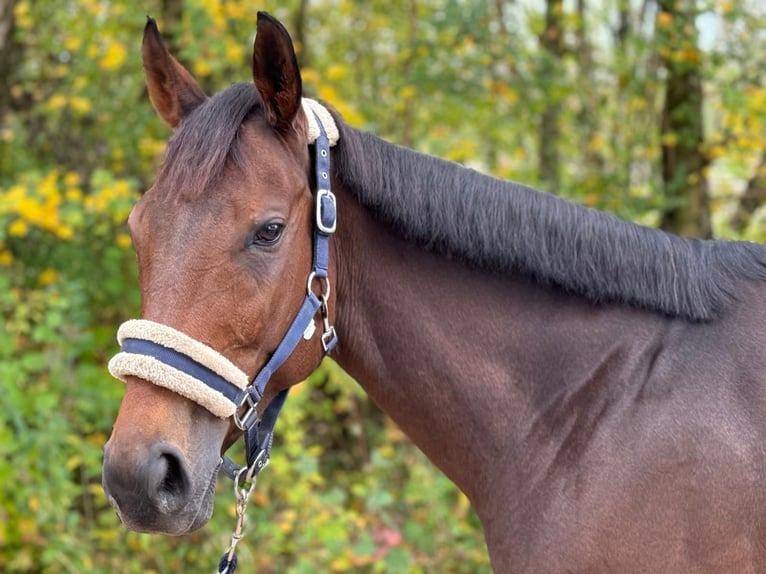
<point>169,358</point>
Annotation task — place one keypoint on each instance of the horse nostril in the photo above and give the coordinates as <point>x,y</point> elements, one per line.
<point>167,478</point>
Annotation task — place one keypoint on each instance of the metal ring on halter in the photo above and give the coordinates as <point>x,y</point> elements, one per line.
<point>313,276</point>
<point>242,494</point>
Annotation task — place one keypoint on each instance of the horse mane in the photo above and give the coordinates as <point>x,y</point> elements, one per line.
<point>488,223</point>
<point>509,228</point>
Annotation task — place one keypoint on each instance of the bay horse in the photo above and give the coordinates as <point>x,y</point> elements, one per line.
<point>596,388</point>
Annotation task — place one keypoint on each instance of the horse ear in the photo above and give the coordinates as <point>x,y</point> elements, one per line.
<point>276,73</point>
<point>172,89</point>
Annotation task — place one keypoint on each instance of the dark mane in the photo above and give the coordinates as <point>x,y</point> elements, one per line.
<point>488,223</point>
<point>507,227</point>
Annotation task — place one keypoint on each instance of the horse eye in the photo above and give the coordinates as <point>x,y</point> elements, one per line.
<point>267,234</point>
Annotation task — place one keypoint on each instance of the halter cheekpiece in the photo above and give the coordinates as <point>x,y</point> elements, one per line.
<point>169,358</point>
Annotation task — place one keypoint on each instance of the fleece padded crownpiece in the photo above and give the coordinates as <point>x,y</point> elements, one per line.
<point>155,370</point>
<point>311,107</point>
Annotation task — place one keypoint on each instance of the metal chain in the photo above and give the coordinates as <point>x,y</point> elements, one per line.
<point>242,493</point>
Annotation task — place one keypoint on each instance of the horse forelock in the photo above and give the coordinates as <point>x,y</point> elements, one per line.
<point>198,150</point>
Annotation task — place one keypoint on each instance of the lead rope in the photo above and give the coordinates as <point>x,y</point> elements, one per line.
<point>228,563</point>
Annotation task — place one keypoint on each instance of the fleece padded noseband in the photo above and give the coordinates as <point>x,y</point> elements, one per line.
<point>171,359</point>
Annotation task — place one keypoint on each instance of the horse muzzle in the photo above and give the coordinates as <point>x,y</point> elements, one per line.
<point>157,493</point>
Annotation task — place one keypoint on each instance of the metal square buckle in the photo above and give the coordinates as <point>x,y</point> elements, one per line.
<point>329,195</point>
<point>251,403</point>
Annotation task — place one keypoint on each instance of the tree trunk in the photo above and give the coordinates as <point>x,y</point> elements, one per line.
<point>299,34</point>
<point>172,12</point>
<point>8,54</point>
<point>683,159</point>
<point>551,42</point>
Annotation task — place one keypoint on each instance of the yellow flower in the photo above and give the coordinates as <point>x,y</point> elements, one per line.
<point>234,52</point>
<point>57,101</point>
<point>114,56</point>
<point>47,277</point>
<point>64,232</point>
<point>150,147</point>
<point>72,179</point>
<point>234,11</point>
<point>6,258</point>
<point>73,43</point>
<point>18,228</point>
<point>124,241</point>
<point>80,105</point>
<point>664,18</point>
<point>23,17</point>
<point>73,194</point>
<point>202,68</point>
<point>336,72</point>
<point>121,188</point>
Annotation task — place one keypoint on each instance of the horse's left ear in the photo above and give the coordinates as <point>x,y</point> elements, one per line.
<point>276,73</point>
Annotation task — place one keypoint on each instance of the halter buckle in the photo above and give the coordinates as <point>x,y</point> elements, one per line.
<point>329,339</point>
<point>326,213</point>
<point>251,404</point>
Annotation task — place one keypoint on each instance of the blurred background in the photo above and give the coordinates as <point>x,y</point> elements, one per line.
<point>651,109</point>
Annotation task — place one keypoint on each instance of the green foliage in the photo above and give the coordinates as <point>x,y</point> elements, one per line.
<point>345,491</point>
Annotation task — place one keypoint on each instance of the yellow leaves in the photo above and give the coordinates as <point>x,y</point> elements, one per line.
<point>591,199</point>
<point>71,179</point>
<point>234,52</point>
<point>349,113</point>
<point>23,16</point>
<point>669,139</point>
<point>664,19</point>
<point>235,10</point>
<point>408,93</point>
<point>57,101</point>
<point>150,147</point>
<point>77,104</point>
<point>286,520</point>
<point>55,203</point>
<point>505,92</point>
<point>73,43</point>
<point>80,105</point>
<point>18,228</point>
<point>114,56</point>
<point>202,68</point>
<point>48,277</point>
<point>464,150</point>
<point>123,241</point>
<point>689,55</point>
<point>336,72</point>
<point>597,143</point>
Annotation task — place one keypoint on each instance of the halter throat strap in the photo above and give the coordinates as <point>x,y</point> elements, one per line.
<point>169,358</point>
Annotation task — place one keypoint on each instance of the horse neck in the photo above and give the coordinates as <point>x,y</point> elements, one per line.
<point>462,360</point>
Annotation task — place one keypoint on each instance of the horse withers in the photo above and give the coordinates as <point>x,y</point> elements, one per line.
<point>596,388</point>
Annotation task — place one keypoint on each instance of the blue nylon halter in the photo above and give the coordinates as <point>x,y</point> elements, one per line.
<point>259,434</point>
